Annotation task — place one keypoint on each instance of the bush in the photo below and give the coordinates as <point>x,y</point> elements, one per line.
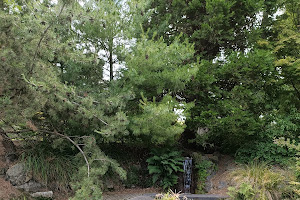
<point>243,192</point>
<point>202,173</point>
<point>257,181</point>
<point>100,166</point>
<point>294,184</point>
<point>264,151</point>
<point>163,165</point>
<point>204,168</point>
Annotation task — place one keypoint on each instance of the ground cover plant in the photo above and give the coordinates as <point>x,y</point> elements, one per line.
<point>257,181</point>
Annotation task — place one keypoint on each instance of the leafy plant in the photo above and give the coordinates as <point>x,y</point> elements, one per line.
<point>257,181</point>
<point>202,173</point>
<point>264,151</point>
<point>91,187</point>
<point>163,165</point>
<point>158,123</point>
<point>294,184</point>
<point>243,192</point>
<point>204,168</point>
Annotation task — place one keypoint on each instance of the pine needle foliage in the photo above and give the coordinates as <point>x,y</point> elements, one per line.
<point>91,187</point>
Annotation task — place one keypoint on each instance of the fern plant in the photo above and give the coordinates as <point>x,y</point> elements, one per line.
<point>164,165</point>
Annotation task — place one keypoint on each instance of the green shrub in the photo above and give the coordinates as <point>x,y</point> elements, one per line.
<point>163,165</point>
<point>264,151</point>
<point>202,173</point>
<point>100,165</point>
<point>243,192</point>
<point>204,168</point>
<point>294,184</point>
<point>257,181</point>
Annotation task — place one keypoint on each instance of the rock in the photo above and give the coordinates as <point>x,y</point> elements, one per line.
<point>31,186</point>
<point>208,182</point>
<point>222,184</point>
<point>2,171</point>
<point>110,185</point>
<point>218,154</point>
<point>11,157</point>
<point>212,157</point>
<point>48,194</point>
<point>16,174</point>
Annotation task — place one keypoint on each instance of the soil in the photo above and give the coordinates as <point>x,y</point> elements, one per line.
<point>7,191</point>
<point>225,166</point>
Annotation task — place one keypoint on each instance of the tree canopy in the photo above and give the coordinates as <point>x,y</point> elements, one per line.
<point>152,74</point>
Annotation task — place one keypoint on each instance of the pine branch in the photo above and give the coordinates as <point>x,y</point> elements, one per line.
<point>41,39</point>
<point>74,143</point>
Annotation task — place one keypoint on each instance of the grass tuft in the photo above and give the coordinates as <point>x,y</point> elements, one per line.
<point>49,166</point>
<point>257,181</point>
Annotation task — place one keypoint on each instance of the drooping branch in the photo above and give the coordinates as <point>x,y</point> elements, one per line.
<point>73,102</point>
<point>78,147</point>
<point>74,143</point>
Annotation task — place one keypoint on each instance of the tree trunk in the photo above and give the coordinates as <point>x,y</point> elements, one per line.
<point>111,69</point>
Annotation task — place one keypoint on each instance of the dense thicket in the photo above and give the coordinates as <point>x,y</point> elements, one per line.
<point>79,75</point>
<point>248,72</point>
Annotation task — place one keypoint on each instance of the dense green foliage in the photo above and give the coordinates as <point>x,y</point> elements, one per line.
<point>79,76</point>
<point>164,166</point>
<point>295,184</point>
<point>210,25</point>
<point>204,168</point>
